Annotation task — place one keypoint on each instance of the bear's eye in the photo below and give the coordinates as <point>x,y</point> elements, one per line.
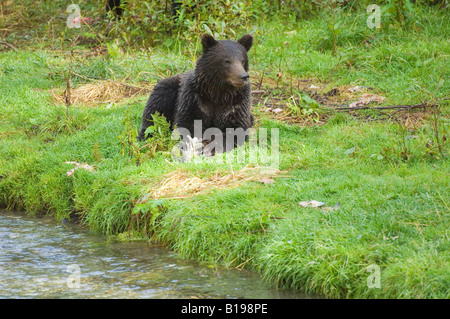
<point>228,61</point>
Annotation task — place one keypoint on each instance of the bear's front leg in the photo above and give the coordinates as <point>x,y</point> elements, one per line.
<point>225,142</point>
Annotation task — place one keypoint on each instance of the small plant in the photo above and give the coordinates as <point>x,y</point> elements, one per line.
<point>303,106</point>
<point>217,18</point>
<point>401,11</point>
<point>96,152</point>
<point>68,75</point>
<point>128,140</point>
<point>405,151</point>
<point>159,139</point>
<point>435,122</point>
<point>334,26</point>
<point>146,215</point>
<point>436,145</point>
<point>434,101</point>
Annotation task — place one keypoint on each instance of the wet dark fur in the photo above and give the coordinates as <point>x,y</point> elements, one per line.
<point>216,92</point>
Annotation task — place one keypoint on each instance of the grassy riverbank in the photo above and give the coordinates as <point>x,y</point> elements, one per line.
<point>388,170</point>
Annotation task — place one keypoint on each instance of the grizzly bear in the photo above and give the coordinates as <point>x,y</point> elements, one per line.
<point>216,94</point>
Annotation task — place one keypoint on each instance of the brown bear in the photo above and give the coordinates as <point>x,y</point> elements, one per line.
<point>216,94</point>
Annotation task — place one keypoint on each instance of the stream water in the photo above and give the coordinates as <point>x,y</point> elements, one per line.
<point>40,258</point>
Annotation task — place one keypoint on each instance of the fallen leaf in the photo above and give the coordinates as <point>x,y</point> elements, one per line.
<point>277,110</point>
<point>290,32</point>
<point>311,203</point>
<point>336,207</point>
<point>392,238</point>
<point>355,89</point>
<point>367,98</point>
<point>80,19</point>
<point>350,151</point>
<point>266,180</point>
<point>356,104</point>
<point>84,166</point>
<point>378,156</point>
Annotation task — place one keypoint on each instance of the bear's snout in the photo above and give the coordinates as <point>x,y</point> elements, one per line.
<point>242,80</point>
<point>245,76</point>
<point>237,74</point>
<point>239,79</point>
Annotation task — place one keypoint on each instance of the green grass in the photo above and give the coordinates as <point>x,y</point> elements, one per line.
<point>394,202</point>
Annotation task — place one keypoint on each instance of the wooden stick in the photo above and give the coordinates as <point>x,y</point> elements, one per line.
<point>258,92</point>
<point>407,107</point>
<point>9,45</point>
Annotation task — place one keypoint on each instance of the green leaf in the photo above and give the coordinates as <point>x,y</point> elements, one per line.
<point>140,208</point>
<point>440,84</point>
<point>309,101</point>
<point>207,29</point>
<point>337,25</point>
<point>350,151</point>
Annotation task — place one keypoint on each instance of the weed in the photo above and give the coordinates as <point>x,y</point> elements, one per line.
<point>160,136</point>
<point>130,147</point>
<point>304,105</point>
<point>160,141</point>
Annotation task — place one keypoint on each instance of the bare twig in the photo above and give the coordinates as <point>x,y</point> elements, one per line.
<point>407,107</point>
<point>258,92</point>
<point>261,81</point>
<point>329,76</point>
<point>9,45</point>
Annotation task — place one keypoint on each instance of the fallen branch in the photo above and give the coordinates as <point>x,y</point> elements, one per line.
<point>406,107</point>
<point>9,45</point>
<point>258,92</point>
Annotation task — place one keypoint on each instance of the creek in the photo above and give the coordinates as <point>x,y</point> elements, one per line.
<point>41,258</point>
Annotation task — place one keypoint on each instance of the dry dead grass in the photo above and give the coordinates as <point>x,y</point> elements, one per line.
<point>184,184</point>
<point>329,97</point>
<point>100,92</point>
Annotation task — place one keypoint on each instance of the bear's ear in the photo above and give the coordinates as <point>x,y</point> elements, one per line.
<point>208,42</point>
<point>246,41</point>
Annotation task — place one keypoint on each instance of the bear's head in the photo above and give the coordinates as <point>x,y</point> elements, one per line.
<point>225,61</point>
